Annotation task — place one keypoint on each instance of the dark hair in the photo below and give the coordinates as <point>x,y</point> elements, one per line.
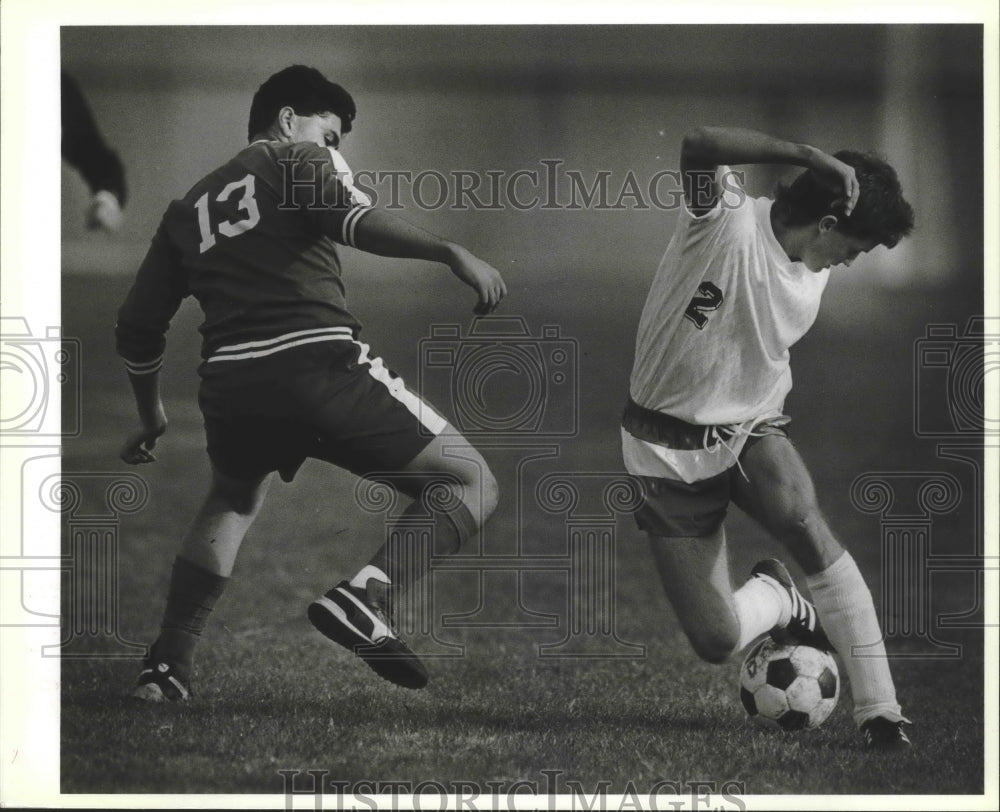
<point>306,91</point>
<point>881,213</point>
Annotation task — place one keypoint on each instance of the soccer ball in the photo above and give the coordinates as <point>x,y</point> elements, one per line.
<point>788,687</point>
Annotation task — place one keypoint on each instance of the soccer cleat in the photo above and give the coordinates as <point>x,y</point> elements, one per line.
<point>158,682</point>
<point>347,617</point>
<point>880,733</point>
<point>803,628</point>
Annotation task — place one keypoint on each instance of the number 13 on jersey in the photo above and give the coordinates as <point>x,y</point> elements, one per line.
<point>228,228</point>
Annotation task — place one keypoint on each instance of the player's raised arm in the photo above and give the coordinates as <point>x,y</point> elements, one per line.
<point>706,148</point>
<point>379,232</point>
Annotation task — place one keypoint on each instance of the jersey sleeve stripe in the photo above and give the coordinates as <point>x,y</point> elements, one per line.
<point>350,224</point>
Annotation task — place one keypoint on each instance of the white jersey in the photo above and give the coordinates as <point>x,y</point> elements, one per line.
<point>724,308</point>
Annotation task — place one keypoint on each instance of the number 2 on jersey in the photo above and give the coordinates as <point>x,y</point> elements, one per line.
<point>228,228</point>
<point>709,298</point>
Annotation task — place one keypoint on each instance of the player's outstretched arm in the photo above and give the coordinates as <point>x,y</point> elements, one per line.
<point>384,234</point>
<point>139,444</point>
<point>706,148</point>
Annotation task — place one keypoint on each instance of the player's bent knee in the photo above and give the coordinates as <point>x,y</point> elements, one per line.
<point>811,542</point>
<point>480,492</point>
<point>805,527</point>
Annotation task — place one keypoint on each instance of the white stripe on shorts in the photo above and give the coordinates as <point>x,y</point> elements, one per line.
<point>429,418</point>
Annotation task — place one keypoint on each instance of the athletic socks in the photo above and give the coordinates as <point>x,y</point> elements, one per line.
<point>405,557</point>
<point>759,608</point>
<point>845,608</point>
<point>191,597</point>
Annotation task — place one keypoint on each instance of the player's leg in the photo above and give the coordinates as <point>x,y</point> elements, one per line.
<point>453,490</point>
<point>213,540</point>
<point>694,572</point>
<point>453,493</point>
<point>390,436</point>
<point>686,491</point>
<point>198,578</point>
<point>780,495</point>
<point>684,524</point>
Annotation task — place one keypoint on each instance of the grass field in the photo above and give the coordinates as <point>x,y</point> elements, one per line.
<point>272,695</point>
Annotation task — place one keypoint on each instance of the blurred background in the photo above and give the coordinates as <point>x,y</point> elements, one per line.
<point>173,102</point>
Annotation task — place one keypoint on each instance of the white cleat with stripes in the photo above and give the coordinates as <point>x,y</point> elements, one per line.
<point>803,628</point>
<point>346,616</point>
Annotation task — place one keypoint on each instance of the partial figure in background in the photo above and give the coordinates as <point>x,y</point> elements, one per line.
<point>85,150</point>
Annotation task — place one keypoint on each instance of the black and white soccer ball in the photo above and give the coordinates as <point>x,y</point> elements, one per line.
<point>788,687</point>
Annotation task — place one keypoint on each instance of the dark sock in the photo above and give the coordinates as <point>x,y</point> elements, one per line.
<point>405,557</point>
<point>190,600</point>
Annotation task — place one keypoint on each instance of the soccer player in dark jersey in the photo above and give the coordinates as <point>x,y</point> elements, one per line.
<point>284,375</point>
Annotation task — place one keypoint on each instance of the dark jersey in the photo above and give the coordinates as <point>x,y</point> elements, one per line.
<point>254,243</point>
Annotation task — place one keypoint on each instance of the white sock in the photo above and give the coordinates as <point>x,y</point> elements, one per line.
<point>759,608</point>
<point>360,581</point>
<point>846,610</point>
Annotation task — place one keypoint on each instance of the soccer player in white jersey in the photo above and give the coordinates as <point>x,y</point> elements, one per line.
<point>739,284</point>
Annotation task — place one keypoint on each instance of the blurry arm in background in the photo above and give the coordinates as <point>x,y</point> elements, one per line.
<point>84,149</point>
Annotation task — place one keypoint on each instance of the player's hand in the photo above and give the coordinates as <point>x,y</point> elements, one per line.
<point>104,212</point>
<point>138,447</point>
<point>482,278</point>
<point>840,177</point>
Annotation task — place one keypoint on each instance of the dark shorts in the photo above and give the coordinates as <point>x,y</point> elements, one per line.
<point>671,506</point>
<point>330,400</point>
